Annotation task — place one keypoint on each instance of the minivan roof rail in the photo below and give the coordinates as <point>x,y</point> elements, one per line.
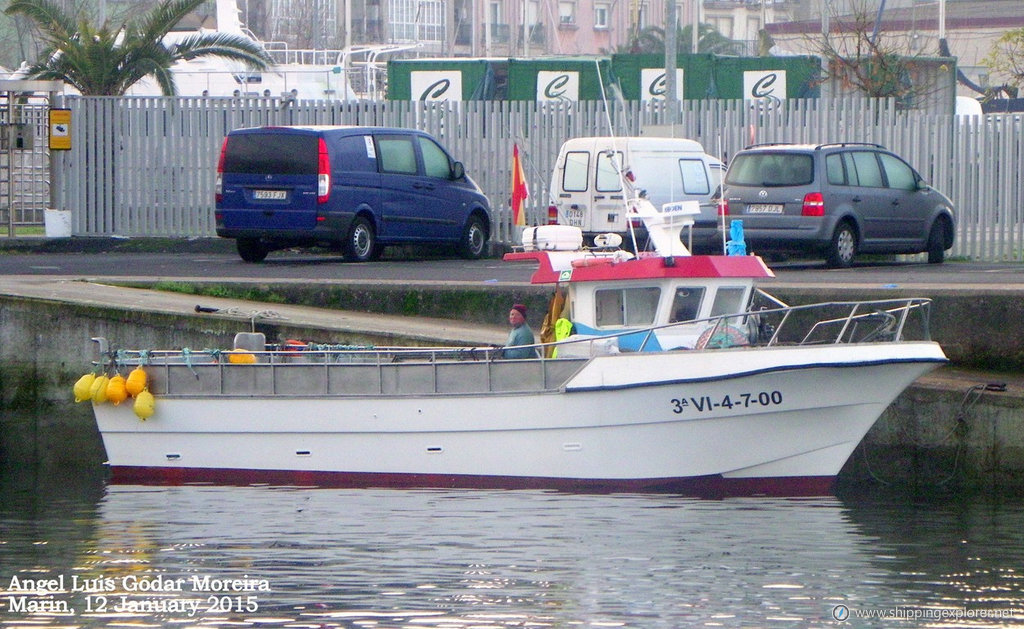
<point>754,146</point>
<point>816,146</point>
<point>871,144</point>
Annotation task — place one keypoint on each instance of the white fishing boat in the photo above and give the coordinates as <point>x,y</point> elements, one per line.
<point>678,374</point>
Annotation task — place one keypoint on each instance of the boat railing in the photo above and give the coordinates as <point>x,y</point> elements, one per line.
<point>836,322</point>
<point>335,370</point>
<point>340,371</point>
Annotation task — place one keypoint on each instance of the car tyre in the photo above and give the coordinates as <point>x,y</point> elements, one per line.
<point>251,250</point>
<point>361,244</point>
<point>937,243</point>
<point>843,247</point>
<point>474,239</point>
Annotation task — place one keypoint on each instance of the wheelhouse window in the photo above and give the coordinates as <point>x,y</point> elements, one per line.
<point>728,300</point>
<point>686,303</point>
<point>574,179</point>
<point>626,306</point>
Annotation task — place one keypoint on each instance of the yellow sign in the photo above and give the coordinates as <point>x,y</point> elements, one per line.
<point>60,129</point>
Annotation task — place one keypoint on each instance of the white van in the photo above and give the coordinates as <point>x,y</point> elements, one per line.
<point>587,184</point>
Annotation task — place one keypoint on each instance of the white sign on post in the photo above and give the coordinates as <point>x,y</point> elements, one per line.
<point>556,86</point>
<point>769,84</point>
<point>653,83</point>
<point>436,85</point>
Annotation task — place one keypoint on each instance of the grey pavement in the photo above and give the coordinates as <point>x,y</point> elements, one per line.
<point>85,292</point>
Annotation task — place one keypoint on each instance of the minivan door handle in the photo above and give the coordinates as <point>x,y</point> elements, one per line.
<point>424,186</point>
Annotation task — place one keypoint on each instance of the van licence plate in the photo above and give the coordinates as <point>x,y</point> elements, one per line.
<point>574,216</point>
<point>764,208</point>
<point>270,195</point>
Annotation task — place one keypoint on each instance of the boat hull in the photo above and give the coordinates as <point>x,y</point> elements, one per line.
<point>777,422</point>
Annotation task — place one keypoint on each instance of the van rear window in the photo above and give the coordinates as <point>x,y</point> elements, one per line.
<point>574,179</point>
<point>265,154</point>
<point>771,169</point>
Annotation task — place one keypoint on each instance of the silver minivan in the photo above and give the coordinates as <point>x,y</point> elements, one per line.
<point>837,199</point>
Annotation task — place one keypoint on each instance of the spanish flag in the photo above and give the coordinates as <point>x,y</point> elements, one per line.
<point>520,192</point>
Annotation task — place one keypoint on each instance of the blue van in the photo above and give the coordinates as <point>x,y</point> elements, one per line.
<point>356,189</point>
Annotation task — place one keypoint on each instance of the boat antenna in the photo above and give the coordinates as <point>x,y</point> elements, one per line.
<point>721,197</point>
<point>604,98</point>
<point>625,180</point>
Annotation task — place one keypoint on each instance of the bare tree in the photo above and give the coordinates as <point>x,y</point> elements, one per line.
<point>860,56</point>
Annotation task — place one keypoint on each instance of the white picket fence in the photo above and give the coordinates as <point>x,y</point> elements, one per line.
<point>143,167</point>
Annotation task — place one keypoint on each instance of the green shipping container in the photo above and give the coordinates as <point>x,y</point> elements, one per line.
<point>642,77</point>
<point>751,78</point>
<point>453,79</point>
<point>560,79</point>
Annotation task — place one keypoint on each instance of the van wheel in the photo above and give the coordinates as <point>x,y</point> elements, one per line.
<point>361,245</point>
<point>474,239</point>
<point>843,247</point>
<point>251,249</point>
<point>937,243</point>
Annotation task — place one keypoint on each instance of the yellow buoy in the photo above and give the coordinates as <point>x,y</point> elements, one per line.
<point>116,391</point>
<point>136,381</point>
<point>83,388</point>
<point>240,357</point>
<point>145,404</point>
<point>99,389</point>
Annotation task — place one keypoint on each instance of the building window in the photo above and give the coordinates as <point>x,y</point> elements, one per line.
<point>641,16</point>
<point>417,20</point>
<point>566,12</point>
<point>532,10</point>
<point>601,16</point>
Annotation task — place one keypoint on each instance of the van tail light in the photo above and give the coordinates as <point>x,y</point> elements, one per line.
<point>323,173</point>
<point>218,183</point>
<point>552,215</point>
<point>723,207</point>
<point>814,204</point>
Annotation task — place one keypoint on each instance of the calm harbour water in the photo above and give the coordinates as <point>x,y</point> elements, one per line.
<point>290,557</point>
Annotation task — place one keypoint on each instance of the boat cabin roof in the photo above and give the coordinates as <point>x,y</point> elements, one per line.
<point>572,266</point>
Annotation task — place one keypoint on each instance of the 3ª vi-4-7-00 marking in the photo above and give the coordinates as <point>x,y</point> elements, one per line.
<point>705,403</point>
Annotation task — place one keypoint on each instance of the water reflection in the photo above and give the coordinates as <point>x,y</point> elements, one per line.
<point>380,558</point>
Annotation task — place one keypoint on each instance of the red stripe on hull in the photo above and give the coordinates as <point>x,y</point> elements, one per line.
<point>703,486</point>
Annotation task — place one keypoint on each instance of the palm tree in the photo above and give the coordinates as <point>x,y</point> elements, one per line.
<point>709,40</point>
<point>104,61</point>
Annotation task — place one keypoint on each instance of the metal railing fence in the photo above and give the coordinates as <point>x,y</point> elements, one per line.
<point>144,166</point>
